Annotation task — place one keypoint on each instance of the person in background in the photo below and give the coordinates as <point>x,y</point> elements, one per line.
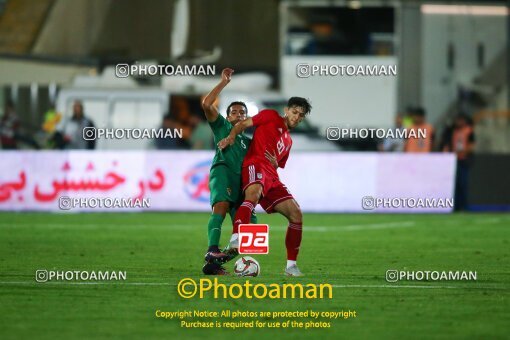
<point>51,120</point>
<point>202,137</point>
<point>394,144</point>
<point>72,129</point>
<point>446,135</point>
<point>462,143</point>
<point>175,143</point>
<point>181,115</point>
<point>326,40</point>
<point>9,126</point>
<point>420,144</point>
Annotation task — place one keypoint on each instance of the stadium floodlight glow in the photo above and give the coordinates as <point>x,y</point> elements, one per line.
<point>252,108</point>
<point>464,10</point>
<point>354,4</point>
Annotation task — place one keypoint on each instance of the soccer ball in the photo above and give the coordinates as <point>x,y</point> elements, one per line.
<point>247,266</point>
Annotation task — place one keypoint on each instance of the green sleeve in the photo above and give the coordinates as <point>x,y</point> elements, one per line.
<point>220,127</point>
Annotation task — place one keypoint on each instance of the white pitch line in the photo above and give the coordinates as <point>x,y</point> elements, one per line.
<point>308,228</point>
<point>173,284</point>
<point>89,283</point>
<point>408,286</point>
<point>356,227</point>
<point>69,225</point>
<point>488,220</point>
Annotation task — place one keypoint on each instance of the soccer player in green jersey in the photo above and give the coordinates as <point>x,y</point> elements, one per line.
<point>225,174</point>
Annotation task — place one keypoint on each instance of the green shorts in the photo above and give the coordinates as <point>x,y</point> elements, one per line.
<point>224,185</point>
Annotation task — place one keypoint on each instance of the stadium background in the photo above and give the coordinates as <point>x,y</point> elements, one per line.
<point>452,59</point>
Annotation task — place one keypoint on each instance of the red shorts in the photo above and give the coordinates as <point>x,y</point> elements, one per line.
<point>273,191</point>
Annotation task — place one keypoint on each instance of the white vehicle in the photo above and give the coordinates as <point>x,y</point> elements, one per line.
<point>118,108</point>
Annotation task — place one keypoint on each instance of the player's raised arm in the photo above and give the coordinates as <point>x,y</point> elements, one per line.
<point>211,112</point>
<point>237,129</point>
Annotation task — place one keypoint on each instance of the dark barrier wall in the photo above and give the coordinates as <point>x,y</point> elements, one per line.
<point>246,31</point>
<point>489,182</point>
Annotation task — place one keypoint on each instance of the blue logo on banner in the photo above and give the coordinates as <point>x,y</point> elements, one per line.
<point>196,182</point>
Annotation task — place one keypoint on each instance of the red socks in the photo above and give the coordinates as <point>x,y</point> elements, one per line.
<point>294,230</point>
<point>293,239</point>
<point>243,215</point>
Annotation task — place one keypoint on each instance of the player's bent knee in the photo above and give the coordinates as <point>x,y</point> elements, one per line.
<point>221,208</point>
<point>253,192</point>
<point>296,215</point>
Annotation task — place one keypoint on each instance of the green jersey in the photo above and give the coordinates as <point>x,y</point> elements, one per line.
<point>233,155</point>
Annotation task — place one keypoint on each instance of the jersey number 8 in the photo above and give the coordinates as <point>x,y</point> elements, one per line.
<point>280,146</point>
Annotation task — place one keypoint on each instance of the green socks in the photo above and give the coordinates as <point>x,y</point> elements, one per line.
<point>253,218</point>
<point>214,229</point>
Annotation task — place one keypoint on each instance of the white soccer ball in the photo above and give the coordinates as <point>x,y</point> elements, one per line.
<point>247,266</point>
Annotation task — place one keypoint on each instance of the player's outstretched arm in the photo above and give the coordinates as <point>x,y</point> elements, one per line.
<point>211,112</point>
<point>237,129</point>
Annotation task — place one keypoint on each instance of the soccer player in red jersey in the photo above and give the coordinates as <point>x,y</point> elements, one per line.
<point>260,180</point>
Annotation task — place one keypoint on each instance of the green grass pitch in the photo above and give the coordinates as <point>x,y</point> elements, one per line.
<point>351,252</point>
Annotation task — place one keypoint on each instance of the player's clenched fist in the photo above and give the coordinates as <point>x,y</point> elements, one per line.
<point>226,74</point>
<point>227,141</point>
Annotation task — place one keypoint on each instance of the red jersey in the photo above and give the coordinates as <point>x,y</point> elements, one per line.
<point>272,135</point>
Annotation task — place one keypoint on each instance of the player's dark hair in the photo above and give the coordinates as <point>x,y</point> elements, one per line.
<point>168,116</point>
<point>300,102</point>
<point>465,117</point>
<point>417,111</point>
<point>237,103</point>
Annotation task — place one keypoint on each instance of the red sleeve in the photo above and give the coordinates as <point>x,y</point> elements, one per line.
<point>283,161</point>
<point>264,117</point>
